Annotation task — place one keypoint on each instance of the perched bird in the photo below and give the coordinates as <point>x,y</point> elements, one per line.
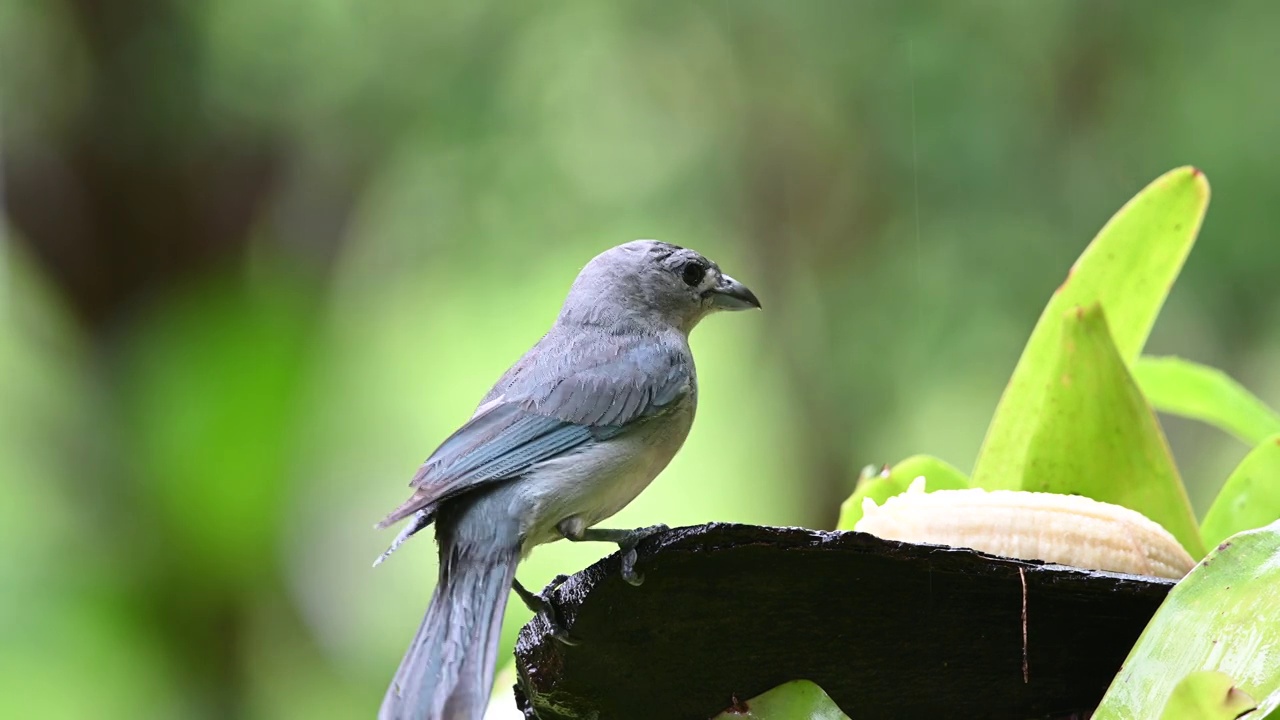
<point>569,435</point>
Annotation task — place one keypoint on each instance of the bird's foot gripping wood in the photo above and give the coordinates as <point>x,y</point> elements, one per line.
<point>542,607</point>
<point>627,540</point>
<point>627,544</point>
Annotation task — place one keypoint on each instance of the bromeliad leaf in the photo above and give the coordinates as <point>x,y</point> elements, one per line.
<point>1223,616</point>
<point>1128,268</point>
<point>788,701</point>
<point>1182,387</point>
<point>1095,435</point>
<point>938,475</point>
<point>1250,498</point>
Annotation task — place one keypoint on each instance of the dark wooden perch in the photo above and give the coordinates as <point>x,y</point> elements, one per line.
<point>888,629</point>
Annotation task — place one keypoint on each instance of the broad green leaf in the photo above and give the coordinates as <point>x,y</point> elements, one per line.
<point>1095,435</point>
<point>1251,496</point>
<point>1222,616</point>
<point>1181,387</point>
<point>938,475</point>
<point>795,700</point>
<point>1207,695</point>
<point>1129,268</point>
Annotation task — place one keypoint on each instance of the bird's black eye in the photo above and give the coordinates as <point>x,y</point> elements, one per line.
<point>693,272</point>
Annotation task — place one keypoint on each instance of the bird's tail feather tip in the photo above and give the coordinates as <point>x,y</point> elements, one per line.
<point>420,520</point>
<point>387,553</point>
<point>395,516</point>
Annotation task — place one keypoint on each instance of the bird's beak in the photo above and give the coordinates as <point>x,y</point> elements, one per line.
<point>729,294</point>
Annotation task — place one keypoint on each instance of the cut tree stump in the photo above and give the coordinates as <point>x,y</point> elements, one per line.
<point>888,629</point>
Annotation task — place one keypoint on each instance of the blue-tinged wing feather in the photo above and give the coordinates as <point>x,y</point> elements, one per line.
<point>642,378</point>
<point>490,436</point>
<point>565,437</point>
<point>550,404</point>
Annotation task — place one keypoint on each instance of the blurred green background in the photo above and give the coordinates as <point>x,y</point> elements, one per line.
<point>259,258</point>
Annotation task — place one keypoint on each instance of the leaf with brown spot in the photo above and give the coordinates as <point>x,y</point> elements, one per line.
<point>1099,438</point>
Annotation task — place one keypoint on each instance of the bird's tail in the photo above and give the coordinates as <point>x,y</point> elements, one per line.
<point>447,673</point>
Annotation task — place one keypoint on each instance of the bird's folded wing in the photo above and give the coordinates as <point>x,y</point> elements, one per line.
<point>535,420</point>
<point>640,380</point>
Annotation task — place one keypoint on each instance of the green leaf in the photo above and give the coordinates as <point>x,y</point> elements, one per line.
<point>1207,695</point>
<point>938,475</point>
<point>1222,616</point>
<point>1129,268</point>
<point>788,701</point>
<point>1095,435</point>
<point>1251,496</point>
<point>1181,387</point>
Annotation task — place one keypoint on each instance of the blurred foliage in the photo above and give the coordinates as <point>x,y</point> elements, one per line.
<point>259,258</point>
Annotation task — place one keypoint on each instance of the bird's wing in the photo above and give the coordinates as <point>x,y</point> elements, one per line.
<point>589,397</point>
<point>637,379</point>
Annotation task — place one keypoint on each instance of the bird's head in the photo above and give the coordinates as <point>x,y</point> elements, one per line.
<point>653,281</point>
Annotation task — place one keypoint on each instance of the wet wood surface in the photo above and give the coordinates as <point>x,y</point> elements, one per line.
<point>888,629</point>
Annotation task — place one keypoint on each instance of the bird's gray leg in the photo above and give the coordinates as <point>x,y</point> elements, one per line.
<point>573,530</point>
<point>541,606</point>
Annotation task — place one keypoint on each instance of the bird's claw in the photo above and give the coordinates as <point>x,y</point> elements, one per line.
<point>629,568</point>
<point>548,613</point>
<point>626,540</point>
<point>543,608</point>
<point>629,556</point>
<point>556,582</point>
<point>561,634</point>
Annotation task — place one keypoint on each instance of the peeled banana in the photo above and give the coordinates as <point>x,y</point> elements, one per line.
<point>1063,529</point>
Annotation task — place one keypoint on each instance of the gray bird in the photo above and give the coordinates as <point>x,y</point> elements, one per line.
<point>569,435</point>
